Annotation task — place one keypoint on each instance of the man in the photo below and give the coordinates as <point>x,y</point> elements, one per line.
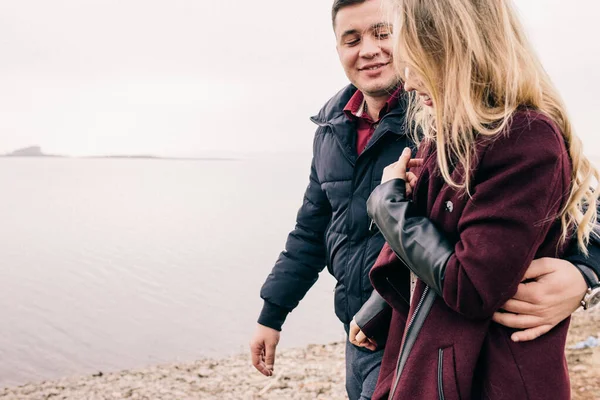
<point>360,131</point>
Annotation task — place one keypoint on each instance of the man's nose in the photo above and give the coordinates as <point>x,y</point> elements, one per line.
<point>370,47</point>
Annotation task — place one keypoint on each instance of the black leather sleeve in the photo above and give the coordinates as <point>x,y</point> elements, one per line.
<point>415,239</point>
<point>374,318</point>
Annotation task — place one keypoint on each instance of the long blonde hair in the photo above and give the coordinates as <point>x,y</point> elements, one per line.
<point>478,67</point>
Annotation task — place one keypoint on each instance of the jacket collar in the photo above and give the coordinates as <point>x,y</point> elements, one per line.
<point>333,116</point>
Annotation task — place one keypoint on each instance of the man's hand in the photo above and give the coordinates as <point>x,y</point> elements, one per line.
<point>398,170</point>
<point>358,338</point>
<point>262,348</point>
<point>554,293</point>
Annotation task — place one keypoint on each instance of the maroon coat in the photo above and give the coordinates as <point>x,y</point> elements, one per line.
<point>521,183</point>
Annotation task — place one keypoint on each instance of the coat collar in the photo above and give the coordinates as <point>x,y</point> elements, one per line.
<point>332,115</point>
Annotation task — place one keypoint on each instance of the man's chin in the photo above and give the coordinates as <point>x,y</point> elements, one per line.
<point>379,89</point>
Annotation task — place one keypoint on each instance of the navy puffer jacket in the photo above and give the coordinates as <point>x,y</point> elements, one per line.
<point>332,226</point>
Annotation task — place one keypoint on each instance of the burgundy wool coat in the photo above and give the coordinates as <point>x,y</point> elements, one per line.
<point>521,181</point>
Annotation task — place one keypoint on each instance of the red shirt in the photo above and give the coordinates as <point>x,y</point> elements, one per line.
<point>365,126</point>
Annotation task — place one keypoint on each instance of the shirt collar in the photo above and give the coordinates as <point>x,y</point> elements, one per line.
<point>355,108</point>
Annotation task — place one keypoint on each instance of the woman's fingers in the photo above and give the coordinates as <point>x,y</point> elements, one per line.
<point>411,179</point>
<point>353,332</point>
<point>402,164</point>
<point>398,170</point>
<point>361,337</point>
<point>415,162</point>
<point>411,182</point>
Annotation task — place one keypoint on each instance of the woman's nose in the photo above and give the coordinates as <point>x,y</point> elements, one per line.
<point>408,86</point>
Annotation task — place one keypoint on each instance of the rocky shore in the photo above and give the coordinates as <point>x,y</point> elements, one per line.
<point>314,372</point>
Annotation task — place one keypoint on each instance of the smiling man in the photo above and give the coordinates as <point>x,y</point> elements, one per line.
<point>360,131</point>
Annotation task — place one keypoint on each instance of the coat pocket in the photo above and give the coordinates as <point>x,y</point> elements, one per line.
<point>446,375</point>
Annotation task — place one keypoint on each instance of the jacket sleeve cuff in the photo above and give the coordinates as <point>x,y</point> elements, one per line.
<point>272,316</point>
<point>591,278</point>
<point>374,317</point>
<point>415,239</point>
<point>592,261</point>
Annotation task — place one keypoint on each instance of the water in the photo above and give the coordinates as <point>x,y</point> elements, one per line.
<point>114,264</point>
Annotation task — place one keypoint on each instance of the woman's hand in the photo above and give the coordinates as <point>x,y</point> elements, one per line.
<point>398,170</point>
<point>358,338</point>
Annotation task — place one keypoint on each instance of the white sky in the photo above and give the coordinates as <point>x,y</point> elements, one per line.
<point>184,77</point>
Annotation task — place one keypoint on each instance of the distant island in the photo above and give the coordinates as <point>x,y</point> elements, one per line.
<point>31,151</point>
<point>36,151</point>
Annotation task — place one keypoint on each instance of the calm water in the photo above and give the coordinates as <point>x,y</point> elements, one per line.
<point>113,264</point>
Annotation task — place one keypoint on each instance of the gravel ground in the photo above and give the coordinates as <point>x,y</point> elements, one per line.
<point>315,372</point>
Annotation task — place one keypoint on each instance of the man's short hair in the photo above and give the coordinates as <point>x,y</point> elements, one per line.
<point>339,4</point>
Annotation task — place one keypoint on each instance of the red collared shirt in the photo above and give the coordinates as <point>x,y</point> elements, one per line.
<point>365,126</point>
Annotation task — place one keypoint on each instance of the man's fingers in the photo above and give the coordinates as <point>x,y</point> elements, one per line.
<point>538,268</point>
<point>532,329</point>
<point>528,292</point>
<point>270,356</point>
<point>530,334</point>
<point>519,307</point>
<point>257,354</point>
<point>516,321</point>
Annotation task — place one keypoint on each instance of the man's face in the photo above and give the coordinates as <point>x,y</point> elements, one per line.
<point>364,45</point>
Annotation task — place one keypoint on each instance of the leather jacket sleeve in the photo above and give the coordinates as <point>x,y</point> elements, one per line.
<point>520,179</point>
<point>414,239</point>
<point>374,318</point>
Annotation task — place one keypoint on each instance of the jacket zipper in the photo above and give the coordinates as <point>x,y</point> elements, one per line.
<point>441,375</point>
<point>408,333</point>
<point>354,163</point>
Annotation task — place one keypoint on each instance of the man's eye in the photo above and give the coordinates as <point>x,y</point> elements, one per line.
<point>352,42</point>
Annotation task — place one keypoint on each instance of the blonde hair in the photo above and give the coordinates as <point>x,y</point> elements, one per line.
<point>478,67</point>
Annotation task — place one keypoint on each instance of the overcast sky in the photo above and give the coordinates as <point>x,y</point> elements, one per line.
<point>185,77</point>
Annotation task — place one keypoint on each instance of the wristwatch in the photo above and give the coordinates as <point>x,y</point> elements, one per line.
<point>592,296</point>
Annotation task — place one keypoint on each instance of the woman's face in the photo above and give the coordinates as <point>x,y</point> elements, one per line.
<point>412,82</point>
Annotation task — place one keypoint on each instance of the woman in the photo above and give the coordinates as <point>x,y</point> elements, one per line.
<point>502,181</point>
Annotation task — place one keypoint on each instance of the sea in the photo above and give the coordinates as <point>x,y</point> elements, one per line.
<point>111,264</point>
